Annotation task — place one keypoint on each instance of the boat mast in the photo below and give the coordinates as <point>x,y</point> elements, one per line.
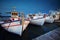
<point>22,14</point>
<point>14,9</point>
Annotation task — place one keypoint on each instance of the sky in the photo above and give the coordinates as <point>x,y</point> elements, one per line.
<point>28,6</point>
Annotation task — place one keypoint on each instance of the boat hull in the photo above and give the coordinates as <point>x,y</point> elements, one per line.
<point>13,27</point>
<point>49,19</point>
<point>38,21</point>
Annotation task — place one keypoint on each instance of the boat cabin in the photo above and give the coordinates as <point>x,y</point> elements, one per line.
<point>14,16</point>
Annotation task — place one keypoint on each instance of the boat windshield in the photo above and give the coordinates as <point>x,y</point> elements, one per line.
<point>14,14</point>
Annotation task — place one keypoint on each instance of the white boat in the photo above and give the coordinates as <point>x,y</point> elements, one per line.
<point>55,15</point>
<point>16,25</point>
<point>36,19</point>
<point>49,19</point>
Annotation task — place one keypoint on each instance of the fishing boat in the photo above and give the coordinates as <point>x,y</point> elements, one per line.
<point>53,16</point>
<point>16,24</point>
<point>57,16</point>
<point>48,19</point>
<point>36,19</point>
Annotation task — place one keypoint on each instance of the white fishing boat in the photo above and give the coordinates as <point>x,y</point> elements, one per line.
<point>36,19</point>
<point>52,17</point>
<point>17,24</point>
<point>49,19</point>
<point>55,14</point>
<point>15,27</point>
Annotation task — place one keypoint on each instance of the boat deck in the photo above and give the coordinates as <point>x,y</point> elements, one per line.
<point>26,23</point>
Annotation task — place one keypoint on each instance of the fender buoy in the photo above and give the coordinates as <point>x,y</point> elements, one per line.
<point>18,18</point>
<point>12,19</point>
